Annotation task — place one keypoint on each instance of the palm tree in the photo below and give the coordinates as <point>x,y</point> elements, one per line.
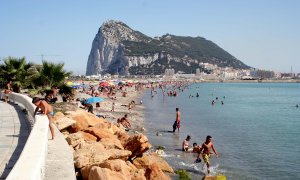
<point>14,69</point>
<point>53,74</point>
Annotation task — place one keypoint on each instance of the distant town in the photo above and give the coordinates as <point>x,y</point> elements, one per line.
<point>214,73</point>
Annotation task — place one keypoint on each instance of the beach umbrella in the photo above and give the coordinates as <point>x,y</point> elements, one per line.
<point>94,100</point>
<point>69,83</point>
<point>104,84</point>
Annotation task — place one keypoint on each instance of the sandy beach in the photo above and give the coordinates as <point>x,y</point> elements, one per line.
<point>136,114</point>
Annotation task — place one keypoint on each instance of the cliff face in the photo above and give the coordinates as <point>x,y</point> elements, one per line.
<point>119,49</point>
<point>107,53</point>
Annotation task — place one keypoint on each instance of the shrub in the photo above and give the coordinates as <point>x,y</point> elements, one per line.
<point>183,174</point>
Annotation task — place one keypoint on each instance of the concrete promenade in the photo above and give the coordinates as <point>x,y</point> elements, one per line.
<point>26,151</point>
<point>15,128</point>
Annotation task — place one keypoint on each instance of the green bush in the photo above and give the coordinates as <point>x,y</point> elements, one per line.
<point>158,147</point>
<point>183,174</point>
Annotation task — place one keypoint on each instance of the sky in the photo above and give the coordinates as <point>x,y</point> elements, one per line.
<point>263,34</point>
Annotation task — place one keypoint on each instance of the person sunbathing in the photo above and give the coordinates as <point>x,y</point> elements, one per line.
<point>124,121</point>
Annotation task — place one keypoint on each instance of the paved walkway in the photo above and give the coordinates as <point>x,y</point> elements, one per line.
<point>15,128</point>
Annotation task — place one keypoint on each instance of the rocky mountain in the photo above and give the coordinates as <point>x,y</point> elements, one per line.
<point>119,49</point>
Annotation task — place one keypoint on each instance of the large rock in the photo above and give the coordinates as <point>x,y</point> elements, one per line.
<point>79,137</point>
<point>74,139</point>
<point>90,154</point>
<point>109,126</point>
<point>119,154</point>
<point>99,133</point>
<point>97,173</point>
<point>57,115</point>
<point>146,160</point>
<point>64,122</point>
<point>135,141</point>
<point>123,137</point>
<point>94,153</point>
<point>142,162</point>
<point>111,143</point>
<point>137,144</point>
<point>164,166</point>
<point>153,172</point>
<point>118,166</point>
<point>136,174</point>
<point>84,120</point>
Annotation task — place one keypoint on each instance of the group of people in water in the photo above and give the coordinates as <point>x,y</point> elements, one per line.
<point>204,149</point>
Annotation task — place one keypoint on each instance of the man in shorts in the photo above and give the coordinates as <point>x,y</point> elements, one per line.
<point>177,121</point>
<point>206,148</point>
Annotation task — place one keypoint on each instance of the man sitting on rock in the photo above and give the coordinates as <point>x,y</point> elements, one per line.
<point>124,121</point>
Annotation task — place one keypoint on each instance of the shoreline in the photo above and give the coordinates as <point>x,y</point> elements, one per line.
<point>136,116</point>
<point>103,149</point>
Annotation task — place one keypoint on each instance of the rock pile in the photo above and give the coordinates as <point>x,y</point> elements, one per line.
<point>104,151</point>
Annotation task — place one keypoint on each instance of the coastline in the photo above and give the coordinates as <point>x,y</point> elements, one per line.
<point>104,150</point>
<point>136,115</point>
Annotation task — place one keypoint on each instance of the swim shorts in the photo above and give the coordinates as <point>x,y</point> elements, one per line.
<point>178,124</point>
<point>206,158</point>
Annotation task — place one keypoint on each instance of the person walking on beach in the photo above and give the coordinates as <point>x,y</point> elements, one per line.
<point>177,121</point>
<point>205,149</point>
<point>45,109</point>
<point>113,107</point>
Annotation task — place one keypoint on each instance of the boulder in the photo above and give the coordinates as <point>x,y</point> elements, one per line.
<point>97,173</point>
<point>111,143</point>
<point>64,122</point>
<point>117,165</point>
<point>142,162</point>
<point>164,166</point>
<point>136,174</point>
<point>137,144</point>
<point>99,133</point>
<point>90,118</point>
<point>153,172</point>
<point>123,137</point>
<point>146,160</point>
<point>79,126</point>
<point>74,139</point>
<point>88,136</point>
<point>135,141</point>
<point>90,154</point>
<point>119,154</point>
<point>83,120</point>
<point>85,171</point>
<point>109,126</point>
<point>57,116</point>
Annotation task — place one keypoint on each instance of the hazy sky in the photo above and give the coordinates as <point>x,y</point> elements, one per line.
<point>261,33</point>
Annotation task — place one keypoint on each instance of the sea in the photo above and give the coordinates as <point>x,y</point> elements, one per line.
<point>256,132</point>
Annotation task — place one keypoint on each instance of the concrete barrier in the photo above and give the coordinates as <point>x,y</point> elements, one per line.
<point>31,163</point>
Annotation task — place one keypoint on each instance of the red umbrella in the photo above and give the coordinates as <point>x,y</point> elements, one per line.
<point>104,84</point>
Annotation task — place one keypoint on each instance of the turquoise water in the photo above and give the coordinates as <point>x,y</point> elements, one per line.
<point>256,132</point>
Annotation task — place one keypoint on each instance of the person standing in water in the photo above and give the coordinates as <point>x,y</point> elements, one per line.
<point>205,149</point>
<point>177,121</point>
